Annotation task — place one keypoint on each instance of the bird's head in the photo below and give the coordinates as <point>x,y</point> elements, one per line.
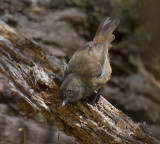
<point>71,89</point>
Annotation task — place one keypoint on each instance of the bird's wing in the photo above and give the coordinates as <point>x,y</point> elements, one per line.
<point>85,62</point>
<point>91,58</point>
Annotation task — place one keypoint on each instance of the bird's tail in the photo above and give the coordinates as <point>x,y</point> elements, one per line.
<point>105,30</point>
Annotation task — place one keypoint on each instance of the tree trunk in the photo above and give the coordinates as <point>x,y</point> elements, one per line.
<point>35,77</point>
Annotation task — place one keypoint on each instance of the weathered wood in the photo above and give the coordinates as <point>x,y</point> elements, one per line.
<point>33,76</point>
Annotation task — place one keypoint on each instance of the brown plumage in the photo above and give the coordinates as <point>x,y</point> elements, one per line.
<point>89,68</point>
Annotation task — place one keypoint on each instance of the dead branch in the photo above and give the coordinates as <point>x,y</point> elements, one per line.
<point>33,76</point>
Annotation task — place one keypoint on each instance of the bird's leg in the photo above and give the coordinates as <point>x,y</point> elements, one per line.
<point>93,99</point>
<point>97,96</point>
<point>58,80</point>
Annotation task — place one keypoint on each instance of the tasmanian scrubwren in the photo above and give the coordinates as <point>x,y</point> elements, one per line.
<point>89,68</point>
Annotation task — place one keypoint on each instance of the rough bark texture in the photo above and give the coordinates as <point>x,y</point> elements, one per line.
<point>33,76</point>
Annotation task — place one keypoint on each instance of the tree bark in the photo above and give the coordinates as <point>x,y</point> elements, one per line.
<point>35,76</point>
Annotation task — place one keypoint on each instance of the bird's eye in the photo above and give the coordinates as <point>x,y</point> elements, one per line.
<point>69,91</point>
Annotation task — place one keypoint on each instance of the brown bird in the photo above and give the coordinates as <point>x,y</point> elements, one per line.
<point>89,68</point>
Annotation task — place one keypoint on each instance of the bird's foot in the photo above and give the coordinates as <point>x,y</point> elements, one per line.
<point>94,98</point>
<point>58,80</point>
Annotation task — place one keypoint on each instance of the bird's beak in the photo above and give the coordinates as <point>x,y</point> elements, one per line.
<point>65,102</point>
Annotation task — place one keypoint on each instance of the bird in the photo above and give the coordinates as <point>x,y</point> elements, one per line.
<point>89,68</point>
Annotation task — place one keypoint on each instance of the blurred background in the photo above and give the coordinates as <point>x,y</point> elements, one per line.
<point>61,27</point>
